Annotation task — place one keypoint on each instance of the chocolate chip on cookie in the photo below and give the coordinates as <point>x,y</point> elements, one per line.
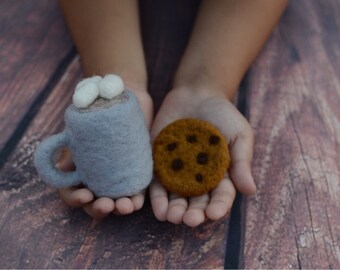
<point>177,164</point>
<point>191,138</point>
<point>214,139</point>
<point>172,146</point>
<point>202,158</point>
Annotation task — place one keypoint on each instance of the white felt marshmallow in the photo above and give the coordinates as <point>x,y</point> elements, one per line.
<point>111,86</point>
<point>85,95</point>
<point>94,79</point>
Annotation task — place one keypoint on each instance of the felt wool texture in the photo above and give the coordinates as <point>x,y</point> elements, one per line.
<point>190,157</point>
<point>85,95</point>
<point>111,86</point>
<point>89,89</point>
<point>110,147</point>
<point>93,79</point>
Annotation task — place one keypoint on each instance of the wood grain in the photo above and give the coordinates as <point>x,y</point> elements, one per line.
<point>33,43</point>
<point>294,97</point>
<point>41,232</point>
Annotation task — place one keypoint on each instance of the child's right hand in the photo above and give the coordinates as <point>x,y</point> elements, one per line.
<point>97,208</point>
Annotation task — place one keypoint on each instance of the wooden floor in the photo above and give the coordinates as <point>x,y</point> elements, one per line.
<point>291,96</point>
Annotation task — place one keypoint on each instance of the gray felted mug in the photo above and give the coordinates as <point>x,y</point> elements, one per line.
<point>110,146</point>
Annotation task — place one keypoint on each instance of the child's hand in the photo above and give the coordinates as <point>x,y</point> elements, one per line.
<point>96,208</point>
<point>216,109</point>
<point>83,197</point>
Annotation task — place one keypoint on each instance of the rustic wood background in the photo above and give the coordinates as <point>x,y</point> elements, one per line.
<point>291,96</point>
<point>293,221</point>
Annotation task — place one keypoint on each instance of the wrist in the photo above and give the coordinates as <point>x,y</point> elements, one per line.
<point>203,84</point>
<point>133,79</point>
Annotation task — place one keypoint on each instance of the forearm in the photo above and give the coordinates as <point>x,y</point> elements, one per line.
<point>226,38</point>
<point>107,36</point>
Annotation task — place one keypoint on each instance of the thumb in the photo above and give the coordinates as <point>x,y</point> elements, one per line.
<point>241,153</point>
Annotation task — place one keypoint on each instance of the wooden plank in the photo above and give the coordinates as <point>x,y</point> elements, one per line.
<point>294,92</point>
<point>48,234</point>
<point>33,43</point>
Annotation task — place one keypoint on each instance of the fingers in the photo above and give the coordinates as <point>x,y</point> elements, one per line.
<point>212,206</point>
<point>65,162</point>
<point>100,208</point>
<point>171,209</point>
<point>159,200</point>
<point>177,208</point>
<point>222,198</point>
<point>194,210</point>
<point>76,197</point>
<point>138,201</point>
<point>124,206</point>
<point>82,197</point>
<point>195,214</point>
<point>241,174</point>
<point>241,152</point>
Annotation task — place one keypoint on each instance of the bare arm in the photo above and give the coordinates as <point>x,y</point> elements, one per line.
<point>227,36</point>
<point>107,36</point>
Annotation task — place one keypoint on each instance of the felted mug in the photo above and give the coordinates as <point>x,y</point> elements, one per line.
<point>110,145</point>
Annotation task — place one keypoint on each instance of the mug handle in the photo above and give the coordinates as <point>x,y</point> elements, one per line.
<point>43,159</point>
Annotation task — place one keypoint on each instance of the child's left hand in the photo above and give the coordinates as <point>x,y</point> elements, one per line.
<point>216,109</point>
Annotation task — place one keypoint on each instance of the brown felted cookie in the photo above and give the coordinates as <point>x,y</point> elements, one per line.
<point>190,157</point>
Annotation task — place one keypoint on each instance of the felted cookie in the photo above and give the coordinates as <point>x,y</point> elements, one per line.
<point>190,157</point>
